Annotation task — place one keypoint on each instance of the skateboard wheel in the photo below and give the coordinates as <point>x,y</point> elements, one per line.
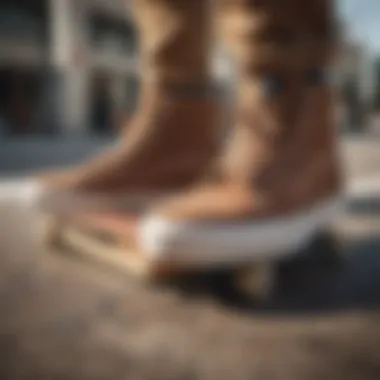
<point>256,282</point>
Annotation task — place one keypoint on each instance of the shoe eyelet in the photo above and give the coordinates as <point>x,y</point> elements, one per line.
<point>272,85</point>
<point>318,76</point>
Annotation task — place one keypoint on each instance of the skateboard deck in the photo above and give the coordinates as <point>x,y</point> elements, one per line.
<point>111,240</point>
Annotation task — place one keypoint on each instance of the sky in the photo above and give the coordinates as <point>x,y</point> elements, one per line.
<point>363,18</point>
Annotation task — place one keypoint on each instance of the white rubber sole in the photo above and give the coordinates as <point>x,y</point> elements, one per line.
<point>209,243</point>
<point>199,244</point>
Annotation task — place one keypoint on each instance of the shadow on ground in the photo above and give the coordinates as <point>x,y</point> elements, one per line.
<point>307,285</point>
<point>365,206</point>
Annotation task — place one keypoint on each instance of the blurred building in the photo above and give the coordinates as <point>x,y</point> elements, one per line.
<point>66,66</point>
<point>70,67</point>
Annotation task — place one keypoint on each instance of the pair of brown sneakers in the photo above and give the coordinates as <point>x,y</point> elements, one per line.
<point>280,166</point>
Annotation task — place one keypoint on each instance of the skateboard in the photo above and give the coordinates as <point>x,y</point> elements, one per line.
<point>110,239</point>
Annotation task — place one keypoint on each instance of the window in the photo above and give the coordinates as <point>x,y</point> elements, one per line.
<point>114,36</point>
<point>24,20</point>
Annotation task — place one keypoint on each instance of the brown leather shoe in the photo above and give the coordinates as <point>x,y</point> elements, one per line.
<point>166,147</point>
<point>280,171</point>
<point>175,130</point>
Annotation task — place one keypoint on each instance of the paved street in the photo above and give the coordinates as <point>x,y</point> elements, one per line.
<point>65,320</point>
<point>61,318</point>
